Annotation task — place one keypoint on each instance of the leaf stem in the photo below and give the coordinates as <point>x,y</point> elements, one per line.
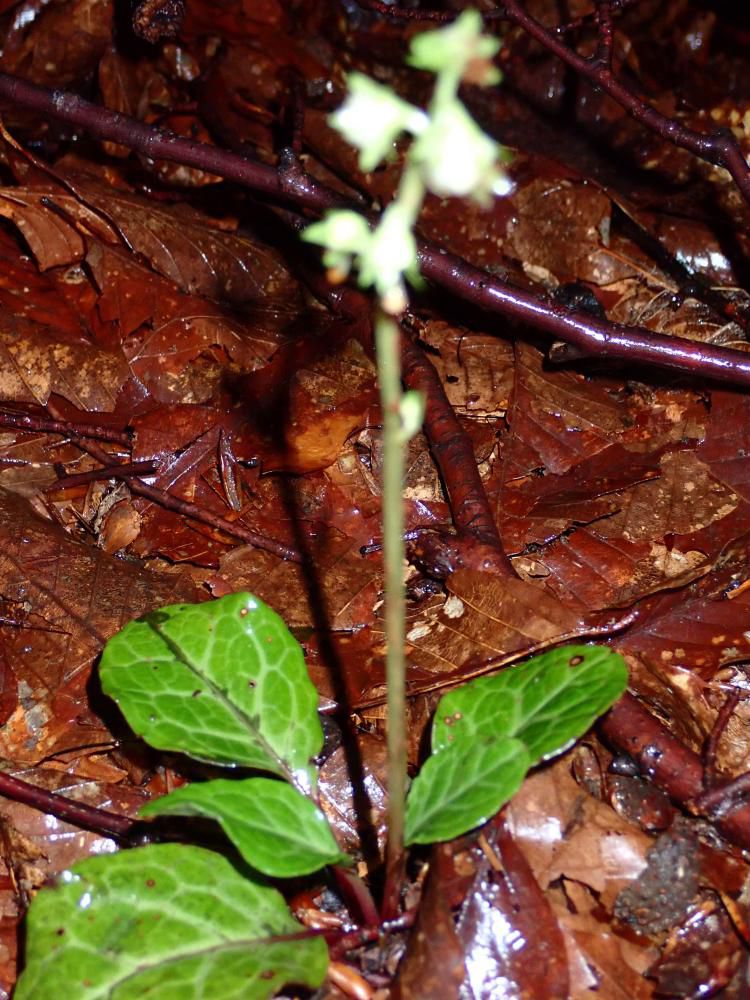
<point>388,349</point>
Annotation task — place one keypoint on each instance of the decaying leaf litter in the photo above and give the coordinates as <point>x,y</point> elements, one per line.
<point>152,313</point>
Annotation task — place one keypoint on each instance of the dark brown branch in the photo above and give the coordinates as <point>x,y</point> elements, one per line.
<point>720,149</point>
<point>22,421</point>
<point>592,338</point>
<point>722,800</point>
<point>193,511</point>
<point>454,456</point>
<point>671,765</point>
<point>120,471</point>
<point>100,820</point>
<point>160,144</point>
<point>450,446</point>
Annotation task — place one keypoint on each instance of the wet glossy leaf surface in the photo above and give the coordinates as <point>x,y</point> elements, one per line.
<point>175,313</point>
<point>223,681</point>
<point>274,827</point>
<point>462,787</point>
<point>489,732</point>
<point>581,682</point>
<point>98,930</point>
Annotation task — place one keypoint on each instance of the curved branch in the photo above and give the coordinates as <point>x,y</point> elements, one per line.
<point>590,336</point>
<point>631,728</point>
<point>720,149</point>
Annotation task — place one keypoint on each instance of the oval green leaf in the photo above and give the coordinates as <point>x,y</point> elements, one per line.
<point>223,681</point>
<point>461,787</point>
<point>547,703</point>
<point>276,829</point>
<point>167,921</point>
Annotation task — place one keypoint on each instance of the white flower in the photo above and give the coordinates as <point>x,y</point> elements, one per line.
<point>344,234</point>
<point>454,48</point>
<point>372,117</point>
<point>391,253</point>
<point>456,157</point>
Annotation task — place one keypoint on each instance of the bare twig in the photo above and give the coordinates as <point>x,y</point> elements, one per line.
<point>100,820</point>
<point>67,428</point>
<point>720,149</point>
<point>193,511</point>
<point>592,338</point>
<point>124,471</point>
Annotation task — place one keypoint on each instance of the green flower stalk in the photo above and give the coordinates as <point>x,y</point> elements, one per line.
<point>450,156</point>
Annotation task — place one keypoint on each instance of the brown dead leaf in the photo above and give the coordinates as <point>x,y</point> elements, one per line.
<point>583,854</point>
<point>559,225</point>
<point>337,589</point>
<point>27,294</point>
<point>513,944</point>
<point>557,419</point>
<point>177,242</point>
<point>34,363</point>
<point>58,44</point>
<point>76,597</point>
<point>657,539</point>
<point>565,832</point>
<point>484,618</point>
<point>353,795</point>
<point>329,400</point>
<point>433,967</point>
<point>476,368</point>
<point>163,330</point>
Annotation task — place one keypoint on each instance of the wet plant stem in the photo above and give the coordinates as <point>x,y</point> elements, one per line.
<point>388,350</point>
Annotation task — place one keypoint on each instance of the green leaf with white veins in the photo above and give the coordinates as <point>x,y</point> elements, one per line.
<point>166,921</point>
<point>224,681</point>
<point>461,787</point>
<point>547,702</point>
<point>275,828</point>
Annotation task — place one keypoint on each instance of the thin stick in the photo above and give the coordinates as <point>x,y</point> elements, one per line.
<point>193,511</point>
<point>721,149</point>
<point>592,337</point>
<point>23,421</point>
<point>100,820</point>
<point>124,471</point>
<point>720,801</point>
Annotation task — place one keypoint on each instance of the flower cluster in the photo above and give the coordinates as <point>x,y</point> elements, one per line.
<point>449,155</point>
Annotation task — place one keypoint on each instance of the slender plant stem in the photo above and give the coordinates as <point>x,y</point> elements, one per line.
<point>388,344</point>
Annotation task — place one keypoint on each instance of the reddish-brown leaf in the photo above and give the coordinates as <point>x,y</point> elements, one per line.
<point>75,598</point>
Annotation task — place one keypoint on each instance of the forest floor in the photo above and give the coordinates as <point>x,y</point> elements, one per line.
<point>157,317</point>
